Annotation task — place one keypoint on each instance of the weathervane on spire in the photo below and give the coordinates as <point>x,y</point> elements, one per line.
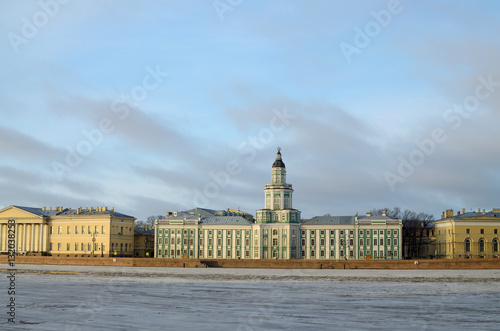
<point>279,149</point>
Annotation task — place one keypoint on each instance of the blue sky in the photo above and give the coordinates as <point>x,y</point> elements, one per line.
<point>155,106</point>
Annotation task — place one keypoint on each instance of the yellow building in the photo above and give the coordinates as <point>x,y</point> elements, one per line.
<point>144,239</point>
<point>68,232</point>
<point>467,235</point>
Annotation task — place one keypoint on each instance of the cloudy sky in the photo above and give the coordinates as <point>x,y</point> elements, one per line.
<point>155,106</point>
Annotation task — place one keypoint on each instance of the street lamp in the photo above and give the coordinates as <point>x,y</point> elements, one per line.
<point>93,235</point>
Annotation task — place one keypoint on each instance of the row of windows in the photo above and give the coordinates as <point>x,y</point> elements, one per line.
<point>210,232</point>
<point>84,247</point>
<point>481,243</point>
<point>351,253</point>
<point>351,242</point>
<point>467,231</point>
<point>179,253</point>
<point>88,229</point>
<point>190,241</point>
<point>351,232</point>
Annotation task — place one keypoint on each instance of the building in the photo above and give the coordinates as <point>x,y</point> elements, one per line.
<point>68,232</point>
<point>144,238</point>
<point>467,234</point>
<point>277,232</point>
<point>351,237</point>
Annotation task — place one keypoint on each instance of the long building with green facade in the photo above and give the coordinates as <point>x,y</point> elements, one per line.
<point>277,231</point>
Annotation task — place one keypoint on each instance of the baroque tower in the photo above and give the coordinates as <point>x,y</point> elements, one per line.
<point>278,197</point>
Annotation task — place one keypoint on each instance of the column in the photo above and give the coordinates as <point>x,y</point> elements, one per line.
<point>1,237</point>
<point>32,245</point>
<point>16,237</point>
<point>24,236</point>
<point>42,235</point>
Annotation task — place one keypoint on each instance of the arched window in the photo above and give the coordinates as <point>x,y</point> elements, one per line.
<point>275,232</point>
<point>467,245</point>
<point>495,245</point>
<point>481,245</point>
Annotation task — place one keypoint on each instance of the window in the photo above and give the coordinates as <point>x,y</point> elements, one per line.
<point>341,253</point>
<point>396,254</point>
<point>265,241</point>
<point>467,231</point>
<point>228,242</point>
<point>191,241</point>
<point>395,232</point>
<point>381,241</point>
<point>313,242</point>
<point>303,242</point>
<point>495,245</point>
<point>332,253</point>
<point>228,255</point>
<point>265,232</point>
<point>103,229</point>
<point>351,232</point>
<point>388,242</point>
<point>247,242</point>
<point>76,229</point>
<point>238,233</point>
<point>312,253</point>
<point>351,253</point>
<point>76,247</point>
<point>481,245</point>
<point>126,247</point>
<point>395,242</point>
<point>67,247</point>
<point>342,242</point>
<point>360,232</point>
<point>368,241</point>
<point>185,232</point>
<point>482,231</point>
<point>313,232</point>
<point>341,232</point>
<point>322,253</point>
<point>228,232</point>
<point>209,232</point>
<point>351,242</point>
<point>58,246</point>
<point>322,232</point>
<point>201,241</point>
<point>59,229</point>
<point>275,232</point>
<point>374,253</point>
<point>332,232</point>
<point>219,233</point>
<point>303,232</point>
<point>495,231</point>
<point>247,254</point>
<point>90,230</point>
<point>238,243</point>
<point>82,246</point>
<point>303,253</point>
<point>284,241</point>
<point>50,230</point>
<point>178,240</point>
<point>361,242</point>
<point>322,243</point>
<point>332,242</point>
<point>209,241</point>
<point>219,253</point>
<point>275,254</point>
<point>219,242</point>
<point>381,254</point>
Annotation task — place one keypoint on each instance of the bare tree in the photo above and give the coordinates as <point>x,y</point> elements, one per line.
<point>413,228</point>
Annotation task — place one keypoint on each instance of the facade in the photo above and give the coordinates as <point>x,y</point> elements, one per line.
<point>144,241</point>
<point>68,232</point>
<point>277,232</point>
<point>467,235</point>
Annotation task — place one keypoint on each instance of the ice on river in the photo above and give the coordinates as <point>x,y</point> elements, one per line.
<point>128,298</point>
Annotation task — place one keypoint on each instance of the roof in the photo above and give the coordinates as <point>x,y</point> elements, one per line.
<point>144,231</point>
<point>223,220</point>
<point>69,211</point>
<point>495,213</point>
<point>278,163</point>
<point>330,220</point>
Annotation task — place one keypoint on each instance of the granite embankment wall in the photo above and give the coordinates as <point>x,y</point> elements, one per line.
<point>270,264</point>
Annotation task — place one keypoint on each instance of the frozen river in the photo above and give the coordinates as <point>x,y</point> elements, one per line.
<point>115,298</point>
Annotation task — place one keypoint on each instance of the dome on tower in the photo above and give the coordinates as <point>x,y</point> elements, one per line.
<point>278,163</point>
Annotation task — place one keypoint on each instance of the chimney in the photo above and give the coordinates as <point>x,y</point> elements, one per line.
<point>442,216</point>
<point>463,210</point>
<point>458,213</point>
<point>43,208</point>
<point>104,208</point>
<point>449,213</point>
<point>112,209</point>
<point>484,211</point>
<point>479,210</point>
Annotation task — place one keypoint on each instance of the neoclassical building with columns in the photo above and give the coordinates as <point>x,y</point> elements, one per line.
<point>98,231</point>
<point>278,231</point>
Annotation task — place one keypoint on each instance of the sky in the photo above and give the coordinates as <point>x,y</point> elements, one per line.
<point>157,106</point>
